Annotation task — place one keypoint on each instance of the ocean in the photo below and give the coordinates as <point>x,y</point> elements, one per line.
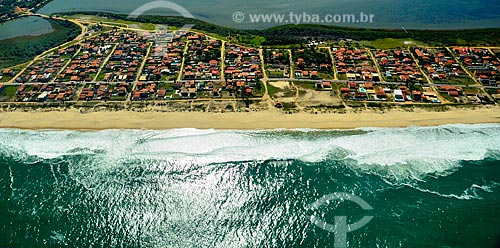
<point>394,14</point>
<point>427,187</point>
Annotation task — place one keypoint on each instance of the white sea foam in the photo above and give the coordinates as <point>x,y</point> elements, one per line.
<point>408,152</point>
<point>473,192</point>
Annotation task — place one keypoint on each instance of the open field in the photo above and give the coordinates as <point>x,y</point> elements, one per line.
<point>388,43</point>
<point>104,20</point>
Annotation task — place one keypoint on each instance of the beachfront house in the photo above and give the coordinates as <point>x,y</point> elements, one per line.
<point>398,96</point>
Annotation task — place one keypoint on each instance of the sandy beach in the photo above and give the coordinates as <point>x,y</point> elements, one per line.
<point>268,119</point>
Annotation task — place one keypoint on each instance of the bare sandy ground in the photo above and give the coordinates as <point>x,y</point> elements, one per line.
<point>280,84</point>
<point>267,119</point>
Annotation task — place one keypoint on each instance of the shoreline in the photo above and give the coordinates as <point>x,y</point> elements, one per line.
<point>262,120</point>
<point>230,24</point>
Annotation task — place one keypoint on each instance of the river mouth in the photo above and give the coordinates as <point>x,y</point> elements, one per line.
<point>25,26</point>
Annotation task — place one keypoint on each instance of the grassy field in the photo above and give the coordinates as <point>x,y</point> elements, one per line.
<point>272,90</point>
<point>306,85</point>
<point>121,23</point>
<point>391,43</point>
<point>4,79</point>
<point>8,93</point>
<point>275,73</point>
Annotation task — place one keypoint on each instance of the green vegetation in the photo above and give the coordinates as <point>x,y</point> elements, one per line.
<point>342,76</point>
<point>490,91</point>
<point>298,34</point>
<point>272,90</point>
<point>448,98</point>
<point>22,49</point>
<point>4,79</point>
<point>497,53</point>
<point>387,43</point>
<point>8,93</point>
<point>306,85</point>
<point>254,40</point>
<point>121,23</point>
<point>275,74</point>
<point>461,80</point>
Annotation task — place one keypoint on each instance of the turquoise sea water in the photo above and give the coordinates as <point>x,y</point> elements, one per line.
<point>416,14</point>
<point>428,186</point>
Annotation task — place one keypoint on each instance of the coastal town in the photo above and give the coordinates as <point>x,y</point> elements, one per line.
<point>126,65</point>
<point>306,124</point>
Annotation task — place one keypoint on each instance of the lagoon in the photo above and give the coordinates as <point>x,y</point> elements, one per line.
<point>26,26</point>
<point>394,14</point>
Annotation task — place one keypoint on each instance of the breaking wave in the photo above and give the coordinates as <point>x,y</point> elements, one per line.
<point>197,188</point>
<point>402,152</point>
<point>473,192</point>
